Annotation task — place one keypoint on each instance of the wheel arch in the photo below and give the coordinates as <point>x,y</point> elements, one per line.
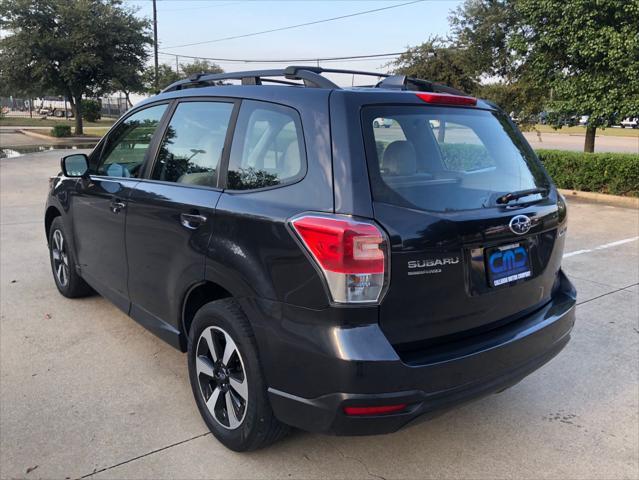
<point>196,297</point>
<point>51,213</point>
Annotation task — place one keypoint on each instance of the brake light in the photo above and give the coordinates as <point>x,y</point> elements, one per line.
<point>446,99</point>
<point>352,255</point>
<point>374,410</point>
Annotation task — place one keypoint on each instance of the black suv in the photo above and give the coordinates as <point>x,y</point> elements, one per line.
<point>321,272</point>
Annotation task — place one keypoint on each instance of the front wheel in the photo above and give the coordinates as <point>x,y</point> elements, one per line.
<point>69,283</point>
<point>227,381</point>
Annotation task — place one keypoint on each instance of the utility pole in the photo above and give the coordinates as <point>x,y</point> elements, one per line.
<point>177,64</point>
<point>155,44</point>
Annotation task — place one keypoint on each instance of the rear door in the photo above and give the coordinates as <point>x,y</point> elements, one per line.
<point>171,212</point>
<point>457,266</point>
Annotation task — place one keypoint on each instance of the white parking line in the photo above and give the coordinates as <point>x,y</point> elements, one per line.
<point>601,247</point>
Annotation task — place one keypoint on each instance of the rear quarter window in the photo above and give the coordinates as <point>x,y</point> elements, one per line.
<point>268,147</point>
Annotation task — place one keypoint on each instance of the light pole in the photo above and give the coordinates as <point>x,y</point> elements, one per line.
<point>155,44</point>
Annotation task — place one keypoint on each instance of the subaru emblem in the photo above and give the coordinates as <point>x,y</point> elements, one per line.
<point>520,224</point>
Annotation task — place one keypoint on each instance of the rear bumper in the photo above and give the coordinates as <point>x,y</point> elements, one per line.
<point>495,363</point>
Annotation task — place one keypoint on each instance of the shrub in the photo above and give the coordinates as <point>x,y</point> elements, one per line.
<point>613,173</point>
<point>61,131</point>
<point>91,110</point>
<point>464,157</point>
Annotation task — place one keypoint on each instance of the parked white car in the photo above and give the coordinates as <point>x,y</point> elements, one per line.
<point>382,122</point>
<point>630,122</point>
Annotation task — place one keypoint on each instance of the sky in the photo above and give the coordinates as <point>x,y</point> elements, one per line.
<point>392,30</point>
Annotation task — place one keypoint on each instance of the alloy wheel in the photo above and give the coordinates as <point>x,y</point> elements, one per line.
<point>60,259</point>
<point>222,377</point>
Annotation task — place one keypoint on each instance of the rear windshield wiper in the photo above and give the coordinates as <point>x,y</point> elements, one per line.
<point>509,197</point>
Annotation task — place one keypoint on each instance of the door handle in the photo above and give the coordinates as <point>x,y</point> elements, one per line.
<point>192,221</point>
<point>117,206</point>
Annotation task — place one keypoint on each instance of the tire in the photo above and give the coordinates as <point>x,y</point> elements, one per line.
<point>239,379</point>
<point>62,258</point>
<point>375,124</point>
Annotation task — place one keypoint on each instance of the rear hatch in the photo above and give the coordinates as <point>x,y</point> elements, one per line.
<point>465,257</point>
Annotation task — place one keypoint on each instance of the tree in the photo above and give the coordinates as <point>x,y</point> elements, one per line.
<point>127,81</point>
<point>577,57</point>
<point>482,29</point>
<point>438,61</point>
<point>166,76</point>
<point>586,53</point>
<point>200,66</point>
<point>71,47</point>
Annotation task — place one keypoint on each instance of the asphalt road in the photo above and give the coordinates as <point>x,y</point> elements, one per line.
<point>562,141</point>
<point>558,141</point>
<point>86,392</point>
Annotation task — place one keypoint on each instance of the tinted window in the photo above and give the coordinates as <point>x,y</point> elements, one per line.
<point>192,146</point>
<point>461,149</point>
<point>267,147</point>
<point>126,147</point>
<point>444,159</point>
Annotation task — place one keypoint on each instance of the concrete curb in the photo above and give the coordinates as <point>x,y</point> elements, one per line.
<point>42,136</point>
<point>614,200</point>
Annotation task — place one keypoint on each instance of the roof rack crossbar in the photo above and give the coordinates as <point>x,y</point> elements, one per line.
<point>295,68</point>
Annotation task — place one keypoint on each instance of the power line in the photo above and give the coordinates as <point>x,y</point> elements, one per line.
<point>285,60</point>
<point>298,25</point>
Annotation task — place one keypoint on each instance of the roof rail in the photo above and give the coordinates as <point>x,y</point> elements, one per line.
<point>311,77</point>
<point>255,77</point>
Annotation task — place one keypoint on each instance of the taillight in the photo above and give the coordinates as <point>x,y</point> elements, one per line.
<point>351,254</point>
<point>446,99</point>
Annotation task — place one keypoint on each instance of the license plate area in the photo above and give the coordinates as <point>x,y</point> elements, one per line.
<point>508,264</point>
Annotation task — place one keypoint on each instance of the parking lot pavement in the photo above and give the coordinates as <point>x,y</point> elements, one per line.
<point>575,142</point>
<point>85,391</point>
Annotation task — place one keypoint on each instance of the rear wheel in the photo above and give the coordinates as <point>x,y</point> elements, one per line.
<point>227,381</point>
<point>69,283</point>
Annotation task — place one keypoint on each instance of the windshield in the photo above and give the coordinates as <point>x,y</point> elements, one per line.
<point>447,159</point>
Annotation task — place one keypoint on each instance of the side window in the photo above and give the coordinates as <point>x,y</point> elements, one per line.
<point>126,147</point>
<point>192,146</point>
<point>268,148</point>
<point>462,150</point>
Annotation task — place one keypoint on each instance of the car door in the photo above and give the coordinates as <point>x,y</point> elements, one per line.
<point>99,205</point>
<point>171,213</point>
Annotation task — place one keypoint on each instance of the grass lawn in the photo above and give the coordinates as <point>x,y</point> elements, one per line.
<point>96,131</point>
<point>49,122</point>
<point>608,132</point>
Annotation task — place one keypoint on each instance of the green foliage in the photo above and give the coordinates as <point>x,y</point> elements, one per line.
<point>166,76</point>
<point>482,29</point>
<point>519,98</point>
<point>91,110</point>
<point>200,66</point>
<point>61,131</point>
<point>465,157</point>
<point>612,173</point>
<point>438,61</point>
<point>586,52</point>
<point>70,47</point>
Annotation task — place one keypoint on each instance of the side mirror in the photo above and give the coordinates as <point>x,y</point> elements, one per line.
<point>76,165</point>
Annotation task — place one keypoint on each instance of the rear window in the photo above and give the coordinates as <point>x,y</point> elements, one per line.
<point>446,159</point>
